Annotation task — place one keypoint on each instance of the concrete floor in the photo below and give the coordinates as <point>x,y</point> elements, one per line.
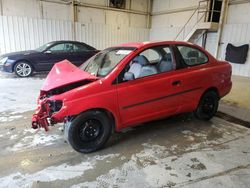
<point>237,103</point>
<point>176,152</point>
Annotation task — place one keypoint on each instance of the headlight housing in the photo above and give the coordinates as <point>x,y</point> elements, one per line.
<point>3,60</point>
<point>55,106</point>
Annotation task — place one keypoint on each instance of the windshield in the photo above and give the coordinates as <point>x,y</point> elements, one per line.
<point>104,62</point>
<point>43,47</point>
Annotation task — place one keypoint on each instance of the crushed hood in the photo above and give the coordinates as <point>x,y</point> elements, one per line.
<point>64,73</point>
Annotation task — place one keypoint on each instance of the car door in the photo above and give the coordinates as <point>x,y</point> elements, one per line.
<point>193,74</point>
<point>151,95</point>
<point>54,54</point>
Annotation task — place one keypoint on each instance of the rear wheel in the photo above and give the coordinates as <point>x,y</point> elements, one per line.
<point>208,106</point>
<point>23,69</point>
<point>89,131</point>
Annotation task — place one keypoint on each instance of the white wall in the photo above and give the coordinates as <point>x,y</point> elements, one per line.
<point>22,33</point>
<point>169,17</point>
<point>236,30</point>
<point>237,34</point>
<point>21,8</point>
<point>51,11</point>
<point>238,13</point>
<point>27,24</point>
<point>48,10</point>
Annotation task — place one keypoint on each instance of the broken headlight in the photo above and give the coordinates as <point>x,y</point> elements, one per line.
<point>55,106</point>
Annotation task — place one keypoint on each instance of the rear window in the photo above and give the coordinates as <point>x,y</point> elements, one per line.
<point>192,56</point>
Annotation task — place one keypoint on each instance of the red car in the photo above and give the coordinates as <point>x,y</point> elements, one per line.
<point>129,84</point>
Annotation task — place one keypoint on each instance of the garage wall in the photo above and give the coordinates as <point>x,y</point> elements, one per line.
<point>60,9</point>
<point>169,16</point>
<point>22,33</point>
<point>237,32</point>
<point>172,12</point>
<point>27,24</point>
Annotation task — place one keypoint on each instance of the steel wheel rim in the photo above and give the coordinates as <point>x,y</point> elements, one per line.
<point>90,130</point>
<point>23,69</point>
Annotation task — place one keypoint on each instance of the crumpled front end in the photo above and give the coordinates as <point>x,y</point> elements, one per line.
<point>44,114</point>
<point>63,78</point>
<point>40,117</point>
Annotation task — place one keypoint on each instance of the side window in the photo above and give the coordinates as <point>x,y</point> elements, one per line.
<point>167,62</point>
<point>80,48</point>
<point>57,48</point>
<point>63,47</point>
<point>69,47</point>
<point>149,62</point>
<point>192,56</point>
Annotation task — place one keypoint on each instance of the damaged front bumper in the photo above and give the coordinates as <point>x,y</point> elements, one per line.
<point>44,114</point>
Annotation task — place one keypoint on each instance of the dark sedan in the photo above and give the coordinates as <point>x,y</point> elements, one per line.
<point>43,58</point>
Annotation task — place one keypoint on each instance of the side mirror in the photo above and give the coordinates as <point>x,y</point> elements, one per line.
<point>129,76</point>
<point>48,52</point>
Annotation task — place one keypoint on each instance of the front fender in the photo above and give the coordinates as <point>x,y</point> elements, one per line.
<point>106,101</point>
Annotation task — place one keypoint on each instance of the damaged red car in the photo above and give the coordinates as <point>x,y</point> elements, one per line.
<point>129,84</point>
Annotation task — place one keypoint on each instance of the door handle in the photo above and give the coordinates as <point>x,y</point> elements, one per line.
<point>177,82</point>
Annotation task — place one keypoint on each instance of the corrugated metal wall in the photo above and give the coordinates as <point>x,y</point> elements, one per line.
<point>102,36</point>
<point>21,33</point>
<point>236,34</point>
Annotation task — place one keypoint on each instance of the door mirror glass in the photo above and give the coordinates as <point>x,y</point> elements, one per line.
<point>129,76</point>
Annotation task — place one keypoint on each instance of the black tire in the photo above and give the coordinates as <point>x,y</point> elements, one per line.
<point>208,106</point>
<point>23,69</point>
<point>89,131</point>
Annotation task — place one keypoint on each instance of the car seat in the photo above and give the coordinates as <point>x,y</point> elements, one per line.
<point>193,57</point>
<point>166,64</point>
<point>141,67</point>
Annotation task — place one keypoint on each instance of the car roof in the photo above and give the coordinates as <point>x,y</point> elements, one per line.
<point>62,41</point>
<point>71,41</point>
<point>152,43</point>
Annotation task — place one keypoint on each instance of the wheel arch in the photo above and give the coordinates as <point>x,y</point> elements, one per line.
<point>108,113</point>
<point>208,89</point>
<point>215,89</point>
<point>20,60</point>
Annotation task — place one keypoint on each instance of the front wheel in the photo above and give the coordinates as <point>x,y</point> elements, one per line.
<point>89,131</point>
<point>23,69</point>
<point>208,106</point>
